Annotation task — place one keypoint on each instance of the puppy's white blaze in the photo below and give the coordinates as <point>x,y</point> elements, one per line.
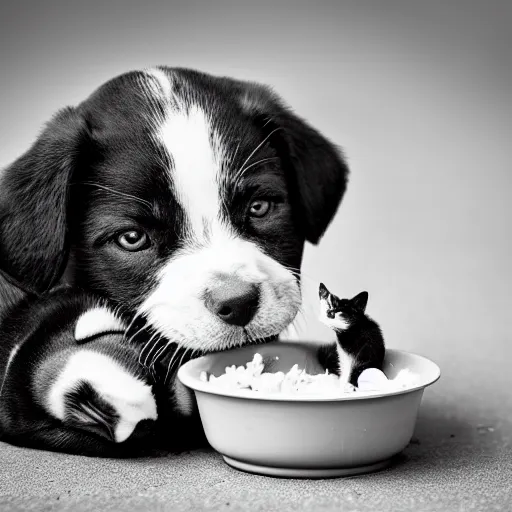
<point>96,321</point>
<point>131,398</point>
<point>197,154</point>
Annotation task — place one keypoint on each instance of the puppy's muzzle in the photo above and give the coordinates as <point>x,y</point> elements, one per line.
<point>233,300</point>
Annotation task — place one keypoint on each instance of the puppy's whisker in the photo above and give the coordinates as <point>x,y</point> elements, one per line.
<point>130,337</point>
<point>153,347</point>
<point>269,120</point>
<point>236,150</point>
<point>134,335</point>
<point>130,325</point>
<point>300,273</point>
<point>118,193</point>
<point>256,149</point>
<point>159,353</point>
<point>156,356</point>
<point>174,357</point>
<point>240,174</point>
<point>169,367</point>
<point>188,351</point>
<point>144,348</point>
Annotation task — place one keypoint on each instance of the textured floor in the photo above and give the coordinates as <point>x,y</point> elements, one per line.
<point>460,459</point>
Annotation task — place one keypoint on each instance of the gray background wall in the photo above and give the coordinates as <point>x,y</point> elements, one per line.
<point>418,93</point>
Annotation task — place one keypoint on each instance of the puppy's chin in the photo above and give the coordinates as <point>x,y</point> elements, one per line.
<point>176,307</point>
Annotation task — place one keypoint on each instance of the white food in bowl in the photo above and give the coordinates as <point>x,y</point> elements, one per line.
<point>298,381</point>
<point>295,380</point>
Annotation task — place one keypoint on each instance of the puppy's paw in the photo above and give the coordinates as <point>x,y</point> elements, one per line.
<point>95,392</point>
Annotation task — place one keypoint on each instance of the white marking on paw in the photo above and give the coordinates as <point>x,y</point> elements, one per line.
<point>131,398</point>
<point>96,321</point>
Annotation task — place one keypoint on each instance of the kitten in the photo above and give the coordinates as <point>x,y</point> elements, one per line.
<point>360,341</point>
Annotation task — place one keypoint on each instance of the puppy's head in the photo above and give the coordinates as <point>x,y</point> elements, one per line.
<point>183,197</point>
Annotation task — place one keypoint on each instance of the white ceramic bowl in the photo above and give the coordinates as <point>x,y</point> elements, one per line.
<point>305,436</point>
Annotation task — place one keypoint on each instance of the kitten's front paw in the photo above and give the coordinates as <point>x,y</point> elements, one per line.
<point>95,392</point>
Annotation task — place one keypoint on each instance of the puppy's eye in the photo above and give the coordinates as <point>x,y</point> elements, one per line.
<point>259,208</point>
<point>133,240</point>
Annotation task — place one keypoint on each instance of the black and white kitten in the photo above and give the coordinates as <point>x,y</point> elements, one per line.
<point>68,379</point>
<point>360,341</point>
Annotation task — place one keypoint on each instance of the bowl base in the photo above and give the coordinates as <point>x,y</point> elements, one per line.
<point>305,473</point>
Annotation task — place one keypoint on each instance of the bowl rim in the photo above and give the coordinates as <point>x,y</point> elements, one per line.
<point>194,383</point>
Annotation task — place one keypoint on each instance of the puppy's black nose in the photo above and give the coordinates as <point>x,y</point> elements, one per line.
<point>233,301</point>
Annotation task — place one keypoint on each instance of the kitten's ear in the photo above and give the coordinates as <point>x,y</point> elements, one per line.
<point>323,292</point>
<point>11,292</point>
<point>360,301</point>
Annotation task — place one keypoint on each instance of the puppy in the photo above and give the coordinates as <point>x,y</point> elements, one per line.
<point>68,380</point>
<point>184,199</point>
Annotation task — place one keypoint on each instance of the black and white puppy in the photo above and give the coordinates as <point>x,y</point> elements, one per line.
<point>184,199</point>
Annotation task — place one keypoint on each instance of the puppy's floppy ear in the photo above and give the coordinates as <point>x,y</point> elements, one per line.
<point>33,203</point>
<point>318,170</point>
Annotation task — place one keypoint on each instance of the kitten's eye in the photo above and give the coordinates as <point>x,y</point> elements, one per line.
<point>133,240</point>
<point>259,208</point>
